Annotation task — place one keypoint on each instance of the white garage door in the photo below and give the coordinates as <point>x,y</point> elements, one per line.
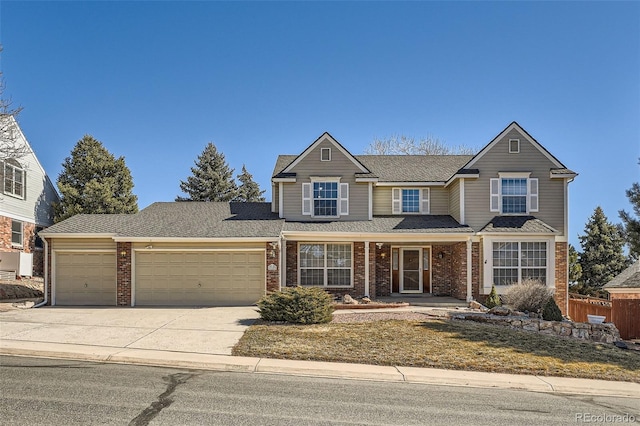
<point>85,278</point>
<point>199,278</point>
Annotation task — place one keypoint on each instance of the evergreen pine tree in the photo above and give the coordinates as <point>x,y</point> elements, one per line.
<point>632,224</point>
<point>248,191</point>
<point>92,180</point>
<point>575,270</point>
<point>212,178</point>
<point>602,257</point>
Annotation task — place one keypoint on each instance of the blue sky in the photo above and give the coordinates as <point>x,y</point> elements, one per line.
<point>156,81</point>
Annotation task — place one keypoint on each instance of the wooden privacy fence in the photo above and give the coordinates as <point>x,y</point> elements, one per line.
<point>624,313</point>
<point>581,306</point>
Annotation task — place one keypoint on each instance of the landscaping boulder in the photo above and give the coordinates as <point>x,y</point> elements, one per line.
<point>500,311</point>
<point>348,300</point>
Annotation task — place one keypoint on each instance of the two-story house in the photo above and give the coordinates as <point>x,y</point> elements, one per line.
<point>359,224</point>
<point>25,204</point>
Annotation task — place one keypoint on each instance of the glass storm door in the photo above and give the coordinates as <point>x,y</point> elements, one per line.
<point>411,270</point>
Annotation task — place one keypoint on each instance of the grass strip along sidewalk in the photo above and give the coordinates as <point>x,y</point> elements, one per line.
<point>448,344</point>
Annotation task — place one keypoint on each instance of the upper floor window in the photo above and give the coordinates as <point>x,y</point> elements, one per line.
<point>325,154</point>
<point>16,233</point>
<point>325,198</point>
<point>410,200</point>
<point>514,194</point>
<point>14,177</point>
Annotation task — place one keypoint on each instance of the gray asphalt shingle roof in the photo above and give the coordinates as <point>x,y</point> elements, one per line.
<point>91,224</point>
<point>629,278</point>
<point>192,219</point>
<point>400,168</point>
<point>385,224</point>
<point>523,224</point>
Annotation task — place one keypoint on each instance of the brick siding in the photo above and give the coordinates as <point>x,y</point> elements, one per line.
<point>123,286</point>
<point>382,270</point>
<point>562,277</point>
<point>273,270</point>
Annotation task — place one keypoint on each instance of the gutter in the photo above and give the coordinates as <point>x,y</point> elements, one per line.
<point>46,274</point>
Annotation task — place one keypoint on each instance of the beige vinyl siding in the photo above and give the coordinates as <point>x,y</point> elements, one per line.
<point>382,200</point>
<point>529,159</point>
<point>438,200</point>
<point>178,246</point>
<point>275,198</point>
<point>454,200</point>
<point>339,166</point>
<point>83,244</point>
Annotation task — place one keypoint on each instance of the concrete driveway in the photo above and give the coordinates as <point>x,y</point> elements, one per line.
<point>211,330</point>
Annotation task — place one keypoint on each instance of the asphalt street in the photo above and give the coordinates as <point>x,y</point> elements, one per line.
<point>39,391</point>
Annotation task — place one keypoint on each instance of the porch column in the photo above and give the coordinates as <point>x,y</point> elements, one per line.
<point>366,268</point>
<point>469,271</point>
<point>283,262</point>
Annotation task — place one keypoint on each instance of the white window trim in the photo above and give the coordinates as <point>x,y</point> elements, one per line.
<point>495,193</point>
<point>324,268</point>
<point>13,171</point>
<point>322,151</point>
<point>396,201</point>
<point>517,150</point>
<point>342,202</point>
<point>21,244</point>
<point>487,251</point>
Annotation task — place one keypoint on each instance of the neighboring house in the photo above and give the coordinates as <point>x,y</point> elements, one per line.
<point>25,206</point>
<point>372,225</point>
<point>624,293</point>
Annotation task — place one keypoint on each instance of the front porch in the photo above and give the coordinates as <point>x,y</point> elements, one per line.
<point>428,270</point>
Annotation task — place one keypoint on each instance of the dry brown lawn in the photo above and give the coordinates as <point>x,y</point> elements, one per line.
<point>457,345</point>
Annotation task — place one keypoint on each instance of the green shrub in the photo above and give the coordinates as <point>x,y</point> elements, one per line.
<point>528,296</point>
<point>551,312</point>
<point>298,305</point>
<point>493,299</point>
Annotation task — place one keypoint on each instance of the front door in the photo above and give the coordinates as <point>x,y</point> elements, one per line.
<point>411,270</point>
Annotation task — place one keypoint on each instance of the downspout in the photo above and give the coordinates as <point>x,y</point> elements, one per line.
<point>366,268</point>
<point>46,274</point>
<point>469,271</point>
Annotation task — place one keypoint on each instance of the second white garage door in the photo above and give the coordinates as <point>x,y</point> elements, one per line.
<point>199,278</point>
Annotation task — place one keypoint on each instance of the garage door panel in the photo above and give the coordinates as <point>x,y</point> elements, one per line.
<point>199,278</point>
<point>85,278</point>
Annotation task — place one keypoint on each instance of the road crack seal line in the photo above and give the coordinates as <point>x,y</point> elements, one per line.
<point>546,383</point>
<point>164,399</point>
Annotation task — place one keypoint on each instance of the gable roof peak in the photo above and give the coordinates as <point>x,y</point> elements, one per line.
<point>326,136</point>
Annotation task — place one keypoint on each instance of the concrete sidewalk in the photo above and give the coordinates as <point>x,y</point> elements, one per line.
<point>202,339</point>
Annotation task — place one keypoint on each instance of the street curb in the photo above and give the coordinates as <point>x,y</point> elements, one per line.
<point>431,376</point>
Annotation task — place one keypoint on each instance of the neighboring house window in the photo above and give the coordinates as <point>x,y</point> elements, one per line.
<point>514,195</point>
<point>410,200</point>
<point>14,177</point>
<point>328,198</point>
<point>516,261</point>
<point>325,154</point>
<point>514,146</point>
<point>326,265</point>
<point>38,243</point>
<point>16,233</point>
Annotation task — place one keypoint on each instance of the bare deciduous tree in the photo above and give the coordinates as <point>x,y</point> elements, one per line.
<point>11,147</point>
<point>406,145</point>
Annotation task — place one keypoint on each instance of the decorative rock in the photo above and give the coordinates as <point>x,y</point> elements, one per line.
<point>530,325</point>
<point>580,333</point>
<point>500,311</point>
<point>365,300</point>
<point>348,300</point>
<point>478,306</point>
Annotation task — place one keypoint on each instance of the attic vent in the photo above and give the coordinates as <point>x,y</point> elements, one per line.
<point>325,154</point>
<point>514,146</point>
